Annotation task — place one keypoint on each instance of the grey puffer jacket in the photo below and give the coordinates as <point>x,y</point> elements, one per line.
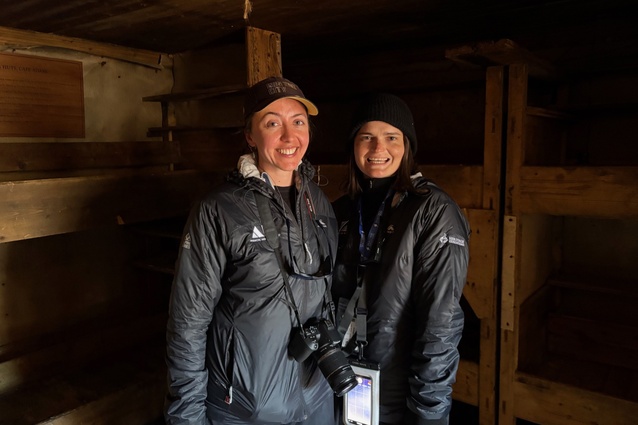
<point>414,320</point>
<point>229,319</point>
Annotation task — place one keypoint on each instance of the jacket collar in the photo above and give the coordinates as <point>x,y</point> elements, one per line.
<point>247,174</point>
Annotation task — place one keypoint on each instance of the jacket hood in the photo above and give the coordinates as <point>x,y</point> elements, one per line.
<point>248,175</point>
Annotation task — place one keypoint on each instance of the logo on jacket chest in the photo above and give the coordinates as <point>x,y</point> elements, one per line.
<point>258,235</point>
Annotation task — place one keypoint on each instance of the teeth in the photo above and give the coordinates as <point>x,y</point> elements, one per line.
<point>287,151</point>
<point>378,160</point>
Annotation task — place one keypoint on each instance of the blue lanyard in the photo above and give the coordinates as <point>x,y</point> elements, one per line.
<point>366,242</point>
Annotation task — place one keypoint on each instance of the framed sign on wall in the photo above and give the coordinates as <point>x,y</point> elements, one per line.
<point>41,97</point>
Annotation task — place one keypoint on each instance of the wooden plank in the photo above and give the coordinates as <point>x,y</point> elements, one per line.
<point>501,52</point>
<point>463,183</point>
<point>488,366</point>
<point>465,388</point>
<point>65,156</point>
<point>609,192</point>
<point>545,402</point>
<point>509,320</point>
<point>493,137</point>
<point>196,94</point>
<point>33,361</point>
<point>516,126</point>
<point>611,285</point>
<point>481,276</point>
<point>263,55</point>
<point>28,39</point>
<point>539,245</point>
<point>35,208</point>
<point>124,389</point>
<point>511,255</point>
<point>507,401</point>
<point>595,341</point>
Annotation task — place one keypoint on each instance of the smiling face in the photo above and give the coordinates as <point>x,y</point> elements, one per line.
<point>378,149</point>
<point>281,134</point>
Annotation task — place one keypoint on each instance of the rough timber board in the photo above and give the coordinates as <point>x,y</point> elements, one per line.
<point>13,37</point>
<point>26,362</point>
<point>580,191</point>
<point>482,270</point>
<point>129,390</point>
<point>546,402</point>
<point>263,50</point>
<point>467,379</point>
<point>66,156</point>
<point>501,52</point>
<point>35,208</point>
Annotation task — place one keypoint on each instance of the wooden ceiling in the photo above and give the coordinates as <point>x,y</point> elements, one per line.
<point>565,30</point>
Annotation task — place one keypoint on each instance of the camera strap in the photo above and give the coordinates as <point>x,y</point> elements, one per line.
<point>359,305</point>
<point>272,237</point>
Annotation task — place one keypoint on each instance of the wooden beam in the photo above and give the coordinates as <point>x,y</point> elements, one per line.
<point>479,291</point>
<point>501,52</point>
<point>263,55</point>
<point>546,402</point>
<point>35,208</point>
<point>71,155</point>
<point>610,192</point>
<point>465,388</point>
<point>11,37</point>
<point>124,389</point>
<point>70,350</point>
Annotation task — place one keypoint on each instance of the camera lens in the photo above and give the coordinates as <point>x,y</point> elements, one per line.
<point>337,370</point>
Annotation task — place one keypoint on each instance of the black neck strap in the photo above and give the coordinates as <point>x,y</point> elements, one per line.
<point>272,236</point>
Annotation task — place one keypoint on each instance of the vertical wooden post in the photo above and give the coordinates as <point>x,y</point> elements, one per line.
<point>511,259</point>
<point>263,55</point>
<point>517,121</point>
<point>492,155</point>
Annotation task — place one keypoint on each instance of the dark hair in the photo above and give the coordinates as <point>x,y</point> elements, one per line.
<point>403,182</point>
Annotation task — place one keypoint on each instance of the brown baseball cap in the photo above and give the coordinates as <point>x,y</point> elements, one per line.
<point>270,89</point>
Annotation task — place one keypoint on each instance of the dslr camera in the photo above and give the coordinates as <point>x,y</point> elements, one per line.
<point>321,339</point>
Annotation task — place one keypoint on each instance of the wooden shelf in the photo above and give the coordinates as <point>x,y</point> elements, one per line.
<point>197,94</point>
<point>126,388</point>
<point>580,191</point>
<point>22,157</point>
<point>610,285</point>
<point>584,406</point>
<point>36,208</point>
<point>162,131</point>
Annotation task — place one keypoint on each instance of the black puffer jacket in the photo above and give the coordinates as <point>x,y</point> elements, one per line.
<point>229,319</point>
<point>414,320</point>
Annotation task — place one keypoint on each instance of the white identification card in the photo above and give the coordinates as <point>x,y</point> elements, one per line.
<point>361,404</point>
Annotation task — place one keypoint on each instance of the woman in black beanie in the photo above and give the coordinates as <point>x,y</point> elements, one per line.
<point>401,267</point>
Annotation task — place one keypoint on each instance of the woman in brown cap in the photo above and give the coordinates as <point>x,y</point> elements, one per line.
<point>237,299</point>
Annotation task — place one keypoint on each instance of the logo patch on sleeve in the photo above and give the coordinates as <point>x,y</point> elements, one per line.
<point>451,239</point>
<point>186,243</point>
<point>457,241</point>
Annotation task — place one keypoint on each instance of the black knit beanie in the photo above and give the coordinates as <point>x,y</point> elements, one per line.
<point>387,108</point>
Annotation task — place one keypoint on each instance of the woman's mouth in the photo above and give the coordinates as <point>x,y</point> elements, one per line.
<point>289,151</point>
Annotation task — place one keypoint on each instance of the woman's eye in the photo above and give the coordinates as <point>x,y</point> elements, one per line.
<point>300,122</point>
<point>272,124</point>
